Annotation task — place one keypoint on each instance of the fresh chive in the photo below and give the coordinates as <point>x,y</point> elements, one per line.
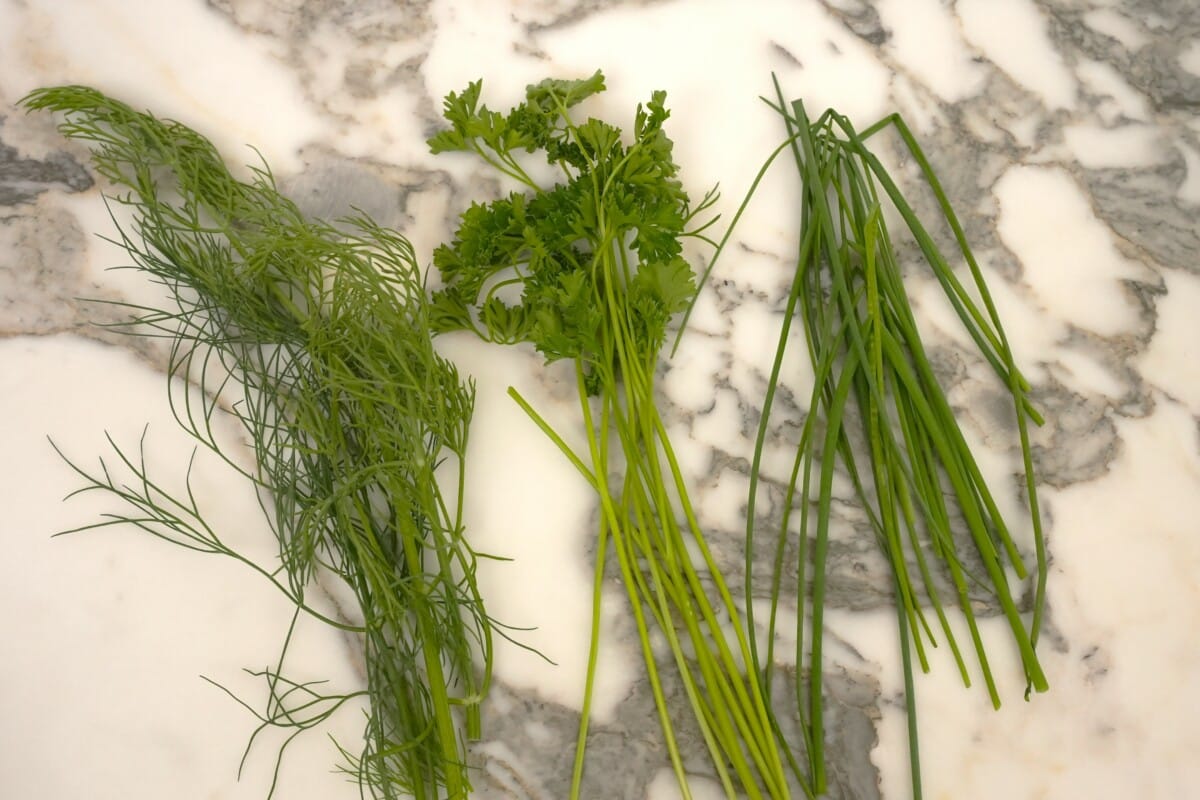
<point>861,335</point>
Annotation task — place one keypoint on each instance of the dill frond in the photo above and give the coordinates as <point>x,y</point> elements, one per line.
<point>316,337</point>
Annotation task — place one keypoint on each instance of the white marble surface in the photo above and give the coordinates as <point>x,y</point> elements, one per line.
<point>1068,136</point>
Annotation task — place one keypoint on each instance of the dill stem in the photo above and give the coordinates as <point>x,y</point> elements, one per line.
<point>437,679</point>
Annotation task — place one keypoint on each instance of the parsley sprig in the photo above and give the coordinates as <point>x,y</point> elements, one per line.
<point>597,259</point>
<point>615,224</point>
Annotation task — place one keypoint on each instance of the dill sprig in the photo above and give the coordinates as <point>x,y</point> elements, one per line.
<point>316,338</point>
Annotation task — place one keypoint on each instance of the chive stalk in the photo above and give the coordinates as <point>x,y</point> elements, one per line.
<point>878,414</point>
<point>921,474</point>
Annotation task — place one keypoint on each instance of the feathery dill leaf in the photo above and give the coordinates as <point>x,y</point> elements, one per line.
<point>316,337</point>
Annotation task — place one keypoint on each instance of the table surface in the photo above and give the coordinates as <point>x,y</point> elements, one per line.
<point>1067,135</point>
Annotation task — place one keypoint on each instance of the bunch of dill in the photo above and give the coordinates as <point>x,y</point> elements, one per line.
<point>316,338</point>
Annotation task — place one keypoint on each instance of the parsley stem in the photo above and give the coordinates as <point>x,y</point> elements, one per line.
<point>600,265</point>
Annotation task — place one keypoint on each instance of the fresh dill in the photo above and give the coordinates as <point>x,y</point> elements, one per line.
<point>316,338</point>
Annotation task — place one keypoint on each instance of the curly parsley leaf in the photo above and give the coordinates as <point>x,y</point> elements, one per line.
<point>609,233</point>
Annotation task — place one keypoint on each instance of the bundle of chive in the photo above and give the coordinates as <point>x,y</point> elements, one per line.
<point>871,370</point>
<point>317,339</point>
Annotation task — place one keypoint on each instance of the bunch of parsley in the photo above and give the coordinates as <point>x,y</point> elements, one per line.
<point>596,259</point>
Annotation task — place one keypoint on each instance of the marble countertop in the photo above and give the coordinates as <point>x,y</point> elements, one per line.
<point>1067,133</point>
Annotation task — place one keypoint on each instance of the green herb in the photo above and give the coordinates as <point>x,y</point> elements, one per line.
<point>317,339</point>
<point>597,259</point>
<point>876,399</point>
